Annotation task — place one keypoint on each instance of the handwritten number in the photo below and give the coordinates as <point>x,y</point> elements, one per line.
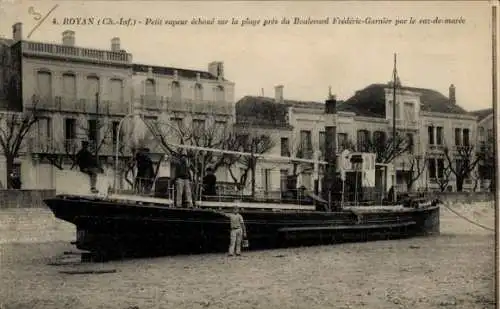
<point>38,17</point>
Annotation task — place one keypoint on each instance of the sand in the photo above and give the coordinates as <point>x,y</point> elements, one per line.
<point>453,270</point>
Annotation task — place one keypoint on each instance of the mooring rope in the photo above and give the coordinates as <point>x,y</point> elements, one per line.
<point>467,219</point>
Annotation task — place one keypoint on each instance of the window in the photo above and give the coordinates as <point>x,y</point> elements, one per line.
<point>115,125</point>
<point>44,128</point>
<point>410,141</point>
<point>198,92</point>
<point>465,137</point>
<point>363,140</point>
<point>283,179</point>
<point>198,126</point>
<point>70,128</point>
<point>69,87</point>
<point>432,168</point>
<point>150,88</point>
<point>266,179</point>
<point>322,143</point>
<point>116,90</point>
<point>176,91</point>
<point>409,111</point>
<point>490,134</point>
<point>44,85</point>
<point>342,141</point>
<point>220,127</point>
<point>397,110</point>
<point>92,91</point>
<point>177,123</point>
<point>93,131</point>
<point>307,181</point>
<point>70,145</point>
<point>285,147</point>
<point>219,94</point>
<point>305,150</point>
<point>439,135</point>
<point>440,168</point>
<point>457,136</point>
<point>430,134</point>
<point>379,137</point>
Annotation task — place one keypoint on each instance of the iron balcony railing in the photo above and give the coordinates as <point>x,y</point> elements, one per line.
<point>68,104</point>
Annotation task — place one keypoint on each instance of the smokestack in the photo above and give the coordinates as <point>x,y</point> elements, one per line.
<point>278,93</point>
<point>452,94</point>
<point>115,44</point>
<point>68,38</point>
<point>17,32</point>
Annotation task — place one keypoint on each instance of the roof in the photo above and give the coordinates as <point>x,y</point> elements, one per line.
<point>482,113</point>
<point>6,41</point>
<point>185,73</point>
<point>370,101</point>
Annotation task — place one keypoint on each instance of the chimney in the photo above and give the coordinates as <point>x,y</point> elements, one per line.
<point>452,97</point>
<point>216,68</point>
<point>17,32</point>
<point>115,44</point>
<point>68,38</point>
<point>278,93</point>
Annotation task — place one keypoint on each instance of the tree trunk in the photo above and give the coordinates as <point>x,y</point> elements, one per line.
<point>9,169</point>
<point>460,184</point>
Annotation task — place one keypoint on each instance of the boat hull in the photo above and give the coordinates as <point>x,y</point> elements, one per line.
<point>127,228</point>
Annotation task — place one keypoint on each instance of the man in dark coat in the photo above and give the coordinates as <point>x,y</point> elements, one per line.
<point>88,164</point>
<point>145,171</point>
<point>209,183</point>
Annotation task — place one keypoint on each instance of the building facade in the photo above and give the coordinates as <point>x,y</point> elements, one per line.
<point>81,93</point>
<point>427,123</point>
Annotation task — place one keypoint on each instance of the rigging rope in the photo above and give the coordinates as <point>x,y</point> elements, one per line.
<point>467,219</point>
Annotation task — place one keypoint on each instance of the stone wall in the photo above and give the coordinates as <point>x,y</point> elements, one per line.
<point>24,198</point>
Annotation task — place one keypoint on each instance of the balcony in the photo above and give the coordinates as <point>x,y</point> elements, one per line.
<point>404,124</point>
<point>186,105</point>
<point>76,53</point>
<point>42,145</point>
<point>74,105</point>
<point>436,147</point>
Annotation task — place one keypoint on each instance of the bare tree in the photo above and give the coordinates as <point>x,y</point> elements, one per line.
<point>444,180</point>
<point>462,162</point>
<point>14,127</point>
<point>251,143</point>
<point>58,156</point>
<point>416,166</point>
<point>386,149</point>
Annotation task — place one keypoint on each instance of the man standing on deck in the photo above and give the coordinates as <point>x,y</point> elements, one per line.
<point>88,164</point>
<point>238,231</point>
<point>183,180</point>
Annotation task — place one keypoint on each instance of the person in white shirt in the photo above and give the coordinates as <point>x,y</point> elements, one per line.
<point>238,231</point>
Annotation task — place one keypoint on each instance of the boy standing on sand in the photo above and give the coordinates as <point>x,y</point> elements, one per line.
<point>238,231</point>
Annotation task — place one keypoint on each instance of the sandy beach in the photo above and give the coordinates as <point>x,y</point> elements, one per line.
<point>453,270</point>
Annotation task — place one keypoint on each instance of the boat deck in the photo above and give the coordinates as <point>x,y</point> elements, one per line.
<point>220,205</point>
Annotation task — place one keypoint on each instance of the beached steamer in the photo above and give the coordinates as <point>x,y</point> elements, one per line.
<point>123,225</point>
<point>119,224</point>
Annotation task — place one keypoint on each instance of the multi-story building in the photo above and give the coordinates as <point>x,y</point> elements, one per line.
<point>485,146</point>
<point>426,122</point>
<point>82,94</point>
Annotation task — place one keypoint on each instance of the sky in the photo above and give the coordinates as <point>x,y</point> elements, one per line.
<point>306,59</point>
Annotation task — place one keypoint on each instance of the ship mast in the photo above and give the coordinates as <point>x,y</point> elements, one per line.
<point>395,84</point>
